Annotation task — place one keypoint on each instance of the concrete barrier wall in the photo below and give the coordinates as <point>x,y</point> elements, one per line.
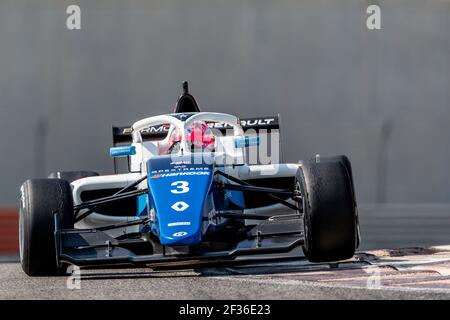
<point>381,97</point>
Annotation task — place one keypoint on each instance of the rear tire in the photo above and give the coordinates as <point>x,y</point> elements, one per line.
<point>72,175</point>
<point>38,200</point>
<point>329,210</point>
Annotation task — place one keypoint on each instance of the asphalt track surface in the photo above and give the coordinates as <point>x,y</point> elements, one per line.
<point>415,273</point>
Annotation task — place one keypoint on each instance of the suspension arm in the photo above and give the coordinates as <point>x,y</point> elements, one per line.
<point>278,199</point>
<point>230,186</point>
<point>110,199</point>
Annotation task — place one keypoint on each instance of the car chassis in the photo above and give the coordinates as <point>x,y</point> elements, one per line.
<point>93,247</point>
<point>233,208</point>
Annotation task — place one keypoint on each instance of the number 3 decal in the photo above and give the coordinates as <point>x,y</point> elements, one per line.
<point>181,187</point>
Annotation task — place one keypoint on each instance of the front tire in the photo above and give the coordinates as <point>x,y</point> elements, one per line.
<point>39,199</point>
<point>329,210</point>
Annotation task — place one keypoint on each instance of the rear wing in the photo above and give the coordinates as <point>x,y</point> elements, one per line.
<point>123,134</point>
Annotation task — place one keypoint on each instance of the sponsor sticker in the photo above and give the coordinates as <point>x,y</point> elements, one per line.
<point>180,206</point>
<point>180,234</point>
<point>181,223</point>
<point>177,174</point>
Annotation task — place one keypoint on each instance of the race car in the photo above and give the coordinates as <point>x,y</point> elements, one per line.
<point>188,195</point>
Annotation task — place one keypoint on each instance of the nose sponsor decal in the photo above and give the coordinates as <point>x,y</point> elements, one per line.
<point>178,172</point>
<point>179,234</point>
<point>180,206</point>
<point>181,223</point>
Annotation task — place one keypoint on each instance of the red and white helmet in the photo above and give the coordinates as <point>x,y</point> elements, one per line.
<point>198,135</point>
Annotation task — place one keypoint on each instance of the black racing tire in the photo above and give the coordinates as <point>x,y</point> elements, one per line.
<point>346,162</point>
<point>39,199</point>
<point>329,210</point>
<point>72,175</point>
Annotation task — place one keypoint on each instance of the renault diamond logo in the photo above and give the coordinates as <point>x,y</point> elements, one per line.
<point>180,206</point>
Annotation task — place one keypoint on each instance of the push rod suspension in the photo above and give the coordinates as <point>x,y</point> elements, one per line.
<point>241,182</point>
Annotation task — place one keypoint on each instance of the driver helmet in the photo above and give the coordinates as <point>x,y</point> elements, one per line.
<point>198,135</point>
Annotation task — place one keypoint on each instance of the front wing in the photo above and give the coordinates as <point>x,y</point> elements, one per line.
<point>93,247</point>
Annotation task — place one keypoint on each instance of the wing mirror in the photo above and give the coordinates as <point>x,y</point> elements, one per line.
<point>122,151</point>
<point>246,141</point>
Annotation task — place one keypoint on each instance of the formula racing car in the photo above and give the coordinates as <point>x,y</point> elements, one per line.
<point>189,194</point>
